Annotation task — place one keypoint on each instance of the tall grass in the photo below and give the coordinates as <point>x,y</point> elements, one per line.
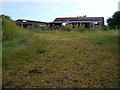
<point>19,45</point>
<point>68,27</point>
<point>10,30</point>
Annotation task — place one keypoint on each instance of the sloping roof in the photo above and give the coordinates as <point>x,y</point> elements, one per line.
<point>77,19</point>
<point>80,19</point>
<point>29,21</point>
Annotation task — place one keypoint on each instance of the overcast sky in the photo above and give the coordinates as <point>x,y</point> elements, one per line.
<point>48,10</point>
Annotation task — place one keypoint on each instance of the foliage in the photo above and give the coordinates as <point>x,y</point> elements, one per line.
<point>3,16</point>
<point>53,27</point>
<point>34,27</point>
<point>114,21</point>
<point>9,30</point>
<point>107,28</point>
<point>38,28</point>
<point>68,27</point>
<point>80,28</point>
<point>81,16</point>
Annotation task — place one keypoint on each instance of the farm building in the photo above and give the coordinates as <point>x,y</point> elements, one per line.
<point>24,23</point>
<point>88,22</point>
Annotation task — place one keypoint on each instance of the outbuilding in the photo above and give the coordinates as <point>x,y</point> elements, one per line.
<point>89,22</point>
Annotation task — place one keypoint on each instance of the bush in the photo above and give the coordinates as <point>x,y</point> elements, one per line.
<point>9,30</point>
<point>80,28</point>
<point>67,27</point>
<point>54,27</point>
<point>34,27</point>
<point>107,28</point>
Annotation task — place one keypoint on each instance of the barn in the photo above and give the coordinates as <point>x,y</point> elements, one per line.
<point>25,23</point>
<point>89,22</point>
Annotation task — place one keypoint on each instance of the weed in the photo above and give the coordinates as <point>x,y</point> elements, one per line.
<point>75,87</point>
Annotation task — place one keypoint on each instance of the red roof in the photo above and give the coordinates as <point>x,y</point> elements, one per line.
<point>79,19</point>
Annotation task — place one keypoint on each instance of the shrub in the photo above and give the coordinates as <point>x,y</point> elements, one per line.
<point>53,27</point>
<point>80,28</point>
<point>67,27</point>
<point>34,27</point>
<point>107,28</point>
<point>9,30</point>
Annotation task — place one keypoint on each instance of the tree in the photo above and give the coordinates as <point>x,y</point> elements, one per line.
<point>82,16</point>
<point>5,16</point>
<point>114,21</point>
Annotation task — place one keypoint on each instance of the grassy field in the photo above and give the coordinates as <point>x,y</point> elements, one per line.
<point>56,59</point>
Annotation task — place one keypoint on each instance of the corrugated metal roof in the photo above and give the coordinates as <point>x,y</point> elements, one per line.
<point>66,20</point>
<point>79,19</point>
<point>29,21</point>
<point>74,22</point>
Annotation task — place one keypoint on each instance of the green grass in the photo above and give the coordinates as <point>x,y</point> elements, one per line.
<point>56,59</point>
<point>9,30</point>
